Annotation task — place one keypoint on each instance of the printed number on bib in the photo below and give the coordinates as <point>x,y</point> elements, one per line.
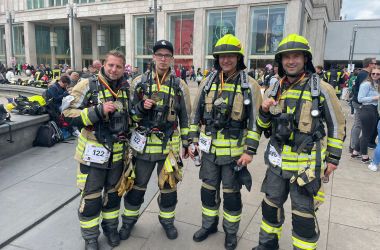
<point>96,154</point>
<point>274,157</point>
<point>138,141</point>
<point>204,143</point>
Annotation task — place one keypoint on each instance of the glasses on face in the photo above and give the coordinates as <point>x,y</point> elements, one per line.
<point>163,56</point>
<point>373,63</point>
<point>375,74</point>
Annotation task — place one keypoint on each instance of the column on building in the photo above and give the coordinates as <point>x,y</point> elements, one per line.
<point>129,44</point>
<point>52,50</point>
<point>317,37</point>
<point>199,38</point>
<point>242,29</point>
<point>8,42</point>
<point>95,48</point>
<point>161,25</point>
<point>77,44</point>
<point>30,43</point>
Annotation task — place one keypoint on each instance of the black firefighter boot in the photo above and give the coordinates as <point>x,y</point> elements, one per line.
<point>168,225</point>
<point>125,230</point>
<point>230,241</point>
<point>203,233</point>
<point>113,238</point>
<point>91,244</point>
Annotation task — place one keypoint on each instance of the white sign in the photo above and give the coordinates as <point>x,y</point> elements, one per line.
<point>274,157</point>
<point>137,142</point>
<point>350,68</point>
<point>204,143</point>
<point>96,154</point>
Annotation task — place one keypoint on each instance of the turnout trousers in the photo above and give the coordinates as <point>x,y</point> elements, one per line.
<point>305,232</point>
<point>99,199</point>
<point>212,175</point>
<point>167,199</point>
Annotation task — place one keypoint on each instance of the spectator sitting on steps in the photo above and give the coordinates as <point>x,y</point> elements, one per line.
<point>57,91</point>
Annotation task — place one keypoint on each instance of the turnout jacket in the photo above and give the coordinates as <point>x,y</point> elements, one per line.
<point>331,115</point>
<point>239,134</point>
<point>85,113</point>
<point>176,128</point>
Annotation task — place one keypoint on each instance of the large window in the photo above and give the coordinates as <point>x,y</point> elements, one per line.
<point>18,43</point>
<point>144,41</point>
<point>84,1</point>
<point>86,40</point>
<point>181,28</point>
<point>35,4</point>
<point>267,29</point>
<point>112,38</point>
<point>2,45</point>
<point>219,23</point>
<point>57,3</point>
<point>63,47</point>
<point>43,44</point>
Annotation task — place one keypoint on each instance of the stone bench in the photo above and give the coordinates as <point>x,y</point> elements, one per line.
<point>24,130</point>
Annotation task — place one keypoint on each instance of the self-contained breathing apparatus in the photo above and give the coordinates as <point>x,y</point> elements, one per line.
<point>285,131</point>
<point>162,119</point>
<point>116,127</point>
<point>219,115</point>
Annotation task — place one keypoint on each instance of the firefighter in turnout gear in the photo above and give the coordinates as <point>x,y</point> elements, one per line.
<point>161,109</point>
<point>335,78</point>
<point>299,151</point>
<point>223,127</point>
<point>101,108</point>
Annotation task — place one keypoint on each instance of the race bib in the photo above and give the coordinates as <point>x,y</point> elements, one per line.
<point>274,157</point>
<point>137,142</point>
<point>96,154</point>
<point>204,143</point>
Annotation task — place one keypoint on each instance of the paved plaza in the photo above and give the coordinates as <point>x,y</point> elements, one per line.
<point>39,202</point>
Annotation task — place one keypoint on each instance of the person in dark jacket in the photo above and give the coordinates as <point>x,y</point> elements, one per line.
<point>57,91</point>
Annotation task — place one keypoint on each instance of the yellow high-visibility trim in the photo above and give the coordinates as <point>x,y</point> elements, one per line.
<point>110,215</point>
<point>253,135</point>
<point>320,196</point>
<point>263,124</point>
<point>271,230</point>
<point>81,178</point>
<point>184,131</point>
<point>90,223</point>
<point>303,244</point>
<point>210,212</point>
<point>335,143</point>
<point>194,128</point>
<point>84,115</point>
<point>131,213</point>
<point>231,218</point>
<point>228,87</point>
<point>167,215</point>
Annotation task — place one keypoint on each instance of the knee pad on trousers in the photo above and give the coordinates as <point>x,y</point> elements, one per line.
<point>232,201</point>
<point>168,199</point>
<point>135,197</point>
<point>92,207</point>
<point>208,197</point>
<point>304,227</point>
<point>113,200</point>
<point>270,213</point>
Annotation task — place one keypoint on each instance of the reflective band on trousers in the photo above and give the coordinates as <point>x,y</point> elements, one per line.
<point>231,218</point>
<point>271,230</point>
<point>131,213</point>
<point>210,212</point>
<point>90,223</point>
<point>227,151</point>
<point>110,215</point>
<point>167,215</point>
<point>303,244</point>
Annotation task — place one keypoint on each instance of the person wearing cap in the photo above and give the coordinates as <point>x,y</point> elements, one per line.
<point>223,127</point>
<point>161,108</point>
<point>295,113</point>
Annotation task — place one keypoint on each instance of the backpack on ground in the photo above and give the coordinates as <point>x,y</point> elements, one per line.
<point>48,135</point>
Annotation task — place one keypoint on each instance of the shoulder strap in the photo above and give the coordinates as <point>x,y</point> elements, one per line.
<point>210,80</point>
<point>315,90</point>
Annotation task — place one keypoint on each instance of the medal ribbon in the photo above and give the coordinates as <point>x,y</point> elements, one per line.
<point>292,84</point>
<point>158,79</point>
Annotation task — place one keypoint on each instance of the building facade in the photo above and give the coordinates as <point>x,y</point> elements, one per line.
<point>41,32</point>
<point>356,40</point>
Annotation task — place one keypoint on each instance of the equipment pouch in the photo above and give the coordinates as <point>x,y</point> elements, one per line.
<point>237,108</point>
<point>305,122</point>
<point>208,101</point>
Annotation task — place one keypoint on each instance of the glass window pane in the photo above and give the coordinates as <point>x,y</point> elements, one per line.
<point>41,4</point>
<point>219,23</point>
<point>112,38</point>
<point>143,64</point>
<point>64,2</point>
<point>63,46</point>
<point>86,40</point>
<point>2,45</point>
<point>144,30</point>
<point>51,3</point>
<point>267,29</point>
<point>29,4</point>
<point>181,27</point>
